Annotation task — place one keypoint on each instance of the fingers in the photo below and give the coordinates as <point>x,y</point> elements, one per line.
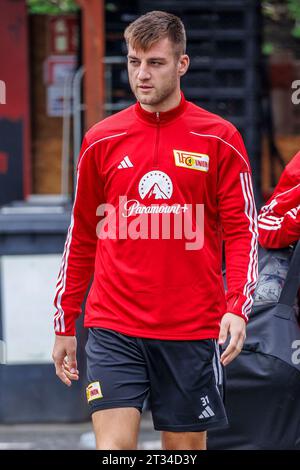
<point>71,354</point>
<point>234,326</point>
<point>224,329</point>
<point>60,372</point>
<point>233,349</point>
<point>67,371</point>
<point>64,357</point>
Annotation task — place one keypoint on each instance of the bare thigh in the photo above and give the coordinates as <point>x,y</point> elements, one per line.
<point>116,428</point>
<point>183,440</point>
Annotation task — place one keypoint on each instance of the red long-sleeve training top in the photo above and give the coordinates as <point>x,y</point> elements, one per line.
<point>151,279</point>
<point>279,219</point>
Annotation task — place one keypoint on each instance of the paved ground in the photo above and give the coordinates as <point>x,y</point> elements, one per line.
<point>66,436</point>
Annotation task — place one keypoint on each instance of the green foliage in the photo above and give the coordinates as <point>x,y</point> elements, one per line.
<point>268,48</point>
<point>52,7</point>
<point>294,10</point>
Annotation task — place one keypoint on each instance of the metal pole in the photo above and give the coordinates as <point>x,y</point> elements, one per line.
<point>67,111</point>
<point>77,108</point>
<point>109,62</point>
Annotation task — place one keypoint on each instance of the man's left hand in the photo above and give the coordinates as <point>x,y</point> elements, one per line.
<point>235,326</point>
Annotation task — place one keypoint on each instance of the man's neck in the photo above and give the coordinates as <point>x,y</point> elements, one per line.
<point>170,103</point>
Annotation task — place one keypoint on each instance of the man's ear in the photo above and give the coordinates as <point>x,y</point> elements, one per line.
<point>184,62</point>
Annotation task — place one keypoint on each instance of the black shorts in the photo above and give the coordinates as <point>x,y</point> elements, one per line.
<point>184,379</point>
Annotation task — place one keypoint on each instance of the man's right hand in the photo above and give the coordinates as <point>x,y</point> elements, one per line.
<point>64,357</point>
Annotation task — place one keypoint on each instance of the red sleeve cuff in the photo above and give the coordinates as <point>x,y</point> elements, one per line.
<point>239,305</point>
<point>66,333</point>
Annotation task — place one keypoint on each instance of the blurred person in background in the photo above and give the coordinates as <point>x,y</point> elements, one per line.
<point>279,218</point>
<point>157,311</point>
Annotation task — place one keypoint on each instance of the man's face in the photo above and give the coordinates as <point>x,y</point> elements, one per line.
<point>154,75</point>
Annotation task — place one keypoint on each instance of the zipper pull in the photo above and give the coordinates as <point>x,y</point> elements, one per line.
<point>157,116</point>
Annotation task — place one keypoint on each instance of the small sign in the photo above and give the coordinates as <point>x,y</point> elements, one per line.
<point>58,68</point>
<point>63,31</point>
<point>55,100</point>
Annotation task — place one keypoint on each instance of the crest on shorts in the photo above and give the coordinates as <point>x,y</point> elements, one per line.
<point>93,391</point>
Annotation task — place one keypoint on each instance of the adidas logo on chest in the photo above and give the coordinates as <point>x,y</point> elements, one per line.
<point>125,163</point>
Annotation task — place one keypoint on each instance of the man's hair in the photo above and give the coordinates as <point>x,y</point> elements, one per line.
<point>153,26</point>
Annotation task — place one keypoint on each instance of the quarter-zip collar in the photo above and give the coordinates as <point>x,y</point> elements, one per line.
<point>163,117</point>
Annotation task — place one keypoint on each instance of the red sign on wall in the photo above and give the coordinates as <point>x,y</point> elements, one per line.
<point>15,170</point>
<point>63,32</point>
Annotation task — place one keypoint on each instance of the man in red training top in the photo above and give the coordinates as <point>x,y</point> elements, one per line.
<point>279,219</point>
<point>160,185</point>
